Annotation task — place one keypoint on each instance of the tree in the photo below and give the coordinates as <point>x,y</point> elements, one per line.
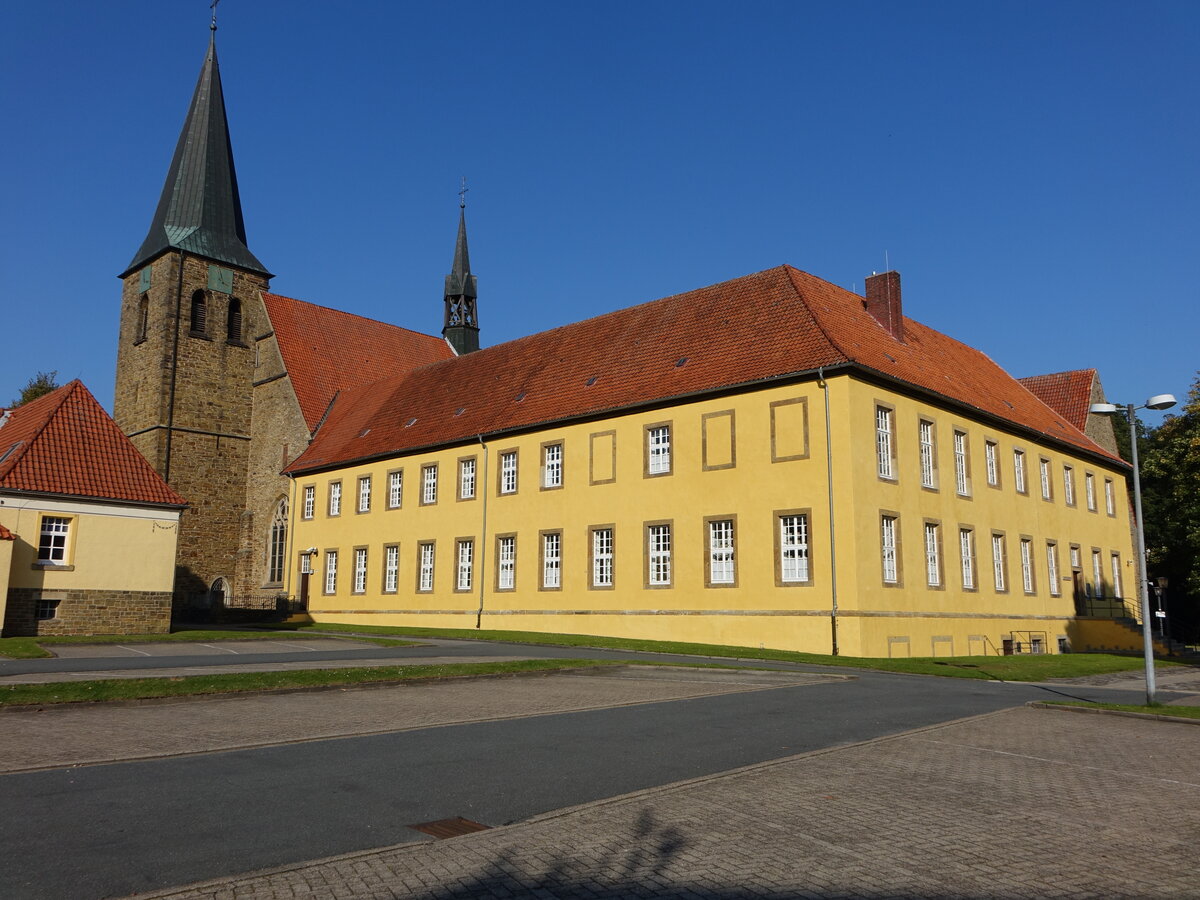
<point>1171,507</point>
<point>38,386</point>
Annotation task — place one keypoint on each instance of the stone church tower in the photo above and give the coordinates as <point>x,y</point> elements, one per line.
<point>189,310</point>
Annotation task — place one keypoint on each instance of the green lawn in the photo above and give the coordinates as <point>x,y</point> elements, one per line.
<point>1159,709</point>
<point>34,647</point>
<point>143,688</point>
<point>1004,668</point>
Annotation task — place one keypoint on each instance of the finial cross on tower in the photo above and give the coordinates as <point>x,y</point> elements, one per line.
<point>213,7</point>
<point>462,192</point>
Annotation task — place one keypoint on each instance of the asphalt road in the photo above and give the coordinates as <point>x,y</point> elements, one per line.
<point>115,829</point>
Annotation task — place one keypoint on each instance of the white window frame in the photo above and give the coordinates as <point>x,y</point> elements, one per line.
<point>426,558</point>
<point>466,479</point>
<point>966,550</point>
<point>1027,565</point>
<point>962,482</point>
<point>1115,561</point>
<point>310,500</point>
<point>793,549</point>
<point>658,555</point>
<point>885,463</point>
<point>360,570</point>
<point>552,466</point>
<point>933,559</point>
<point>508,472</point>
<point>658,450</point>
<point>999,575</point>
<point>1110,503</point>
<point>602,557</point>
<point>364,493</point>
<point>506,562</point>
<point>466,564</point>
<point>1052,568</point>
<point>1019,471</point>
<point>990,463</point>
<point>331,567</point>
<point>1097,574</point>
<point>54,540</point>
<point>429,484</point>
<point>721,564</point>
<point>552,560</point>
<point>395,489</point>
<point>1044,464</point>
<point>1069,485</point>
<point>335,498</point>
<point>928,463</point>
<point>888,549</point>
<point>391,568</point>
<point>1089,486</point>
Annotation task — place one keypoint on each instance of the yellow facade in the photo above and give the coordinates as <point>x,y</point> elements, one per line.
<point>752,466</point>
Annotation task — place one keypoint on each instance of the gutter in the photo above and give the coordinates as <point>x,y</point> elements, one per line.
<point>833,613</point>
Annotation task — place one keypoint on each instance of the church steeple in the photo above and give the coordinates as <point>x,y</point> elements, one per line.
<point>461,327</point>
<point>200,210</point>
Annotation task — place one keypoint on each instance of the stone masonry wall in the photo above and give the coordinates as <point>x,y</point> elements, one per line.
<point>88,612</point>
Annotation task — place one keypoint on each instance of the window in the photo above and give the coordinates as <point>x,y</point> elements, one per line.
<point>425,566</point>
<point>310,500</point>
<point>506,562</point>
<point>989,457</point>
<point>999,563</point>
<point>508,472</point>
<point>1116,575</point>
<point>45,608</point>
<point>792,554</point>
<point>928,459</point>
<point>360,570</point>
<point>391,568</point>
<point>1110,505</point>
<point>364,494</point>
<point>1019,471</point>
<point>306,564</point>
<point>199,318</point>
<point>1097,573</point>
<point>933,556</point>
<point>233,321</point>
<point>1052,568</point>
<point>1068,485</point>
<point>277,543</point>
<point>961,475</point>
<point>658,449</point>
<point>331,563</point>
<point>395,489</point>
<point>720,552</point>
<point>1075,559</point>
<point>885,461</point>
<point>966,550</point>
<point>658,555</point>
<point>551,560</point>
<point>602,557</point>
<point>466,559</point>
<point>552,466</point>
<point>143,319</point>
<point>52,544</point>
<point>429,485</point>
<point>1089,489</point>
<point>466,479</point>
<point>1027,565</point>
<point>888,547</point>
<point>335,498</point>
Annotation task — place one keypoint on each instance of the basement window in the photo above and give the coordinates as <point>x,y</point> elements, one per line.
<point>45,609</point>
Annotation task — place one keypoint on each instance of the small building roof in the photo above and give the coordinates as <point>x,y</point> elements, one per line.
<point>64,443</point>
<point>1068,393</point>
<point>773,325</point>
<point>6,535</point>
<point>326,351</point>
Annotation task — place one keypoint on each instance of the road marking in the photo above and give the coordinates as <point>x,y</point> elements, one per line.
<point>301,646</point>
<point>215,647</point>
<point>132,650</point>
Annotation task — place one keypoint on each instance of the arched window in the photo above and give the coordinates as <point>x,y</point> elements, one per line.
<point>233,324</point>
<point>143,319</point>
<point>277,543</point>
<point>199,313</point>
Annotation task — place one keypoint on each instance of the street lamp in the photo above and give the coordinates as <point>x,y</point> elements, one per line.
<point>1159,401</point>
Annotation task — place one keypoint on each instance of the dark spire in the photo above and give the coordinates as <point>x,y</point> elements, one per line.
<point>461,327</point>
<point>200,210</point>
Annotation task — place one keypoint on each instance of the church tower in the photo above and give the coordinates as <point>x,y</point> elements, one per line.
<point>190,308</point>
<point>461,326</point>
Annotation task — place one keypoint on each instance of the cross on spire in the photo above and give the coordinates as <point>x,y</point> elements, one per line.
<point>462,192</point>
<point>213,7</point>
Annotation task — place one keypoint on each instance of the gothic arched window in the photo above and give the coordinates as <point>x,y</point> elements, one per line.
<point>277,543</point>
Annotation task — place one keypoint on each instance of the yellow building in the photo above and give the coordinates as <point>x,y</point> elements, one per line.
<point>773,461</point>
<point>88,530</point>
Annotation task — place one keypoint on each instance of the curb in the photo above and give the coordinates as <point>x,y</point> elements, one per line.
<point>1098,711</point>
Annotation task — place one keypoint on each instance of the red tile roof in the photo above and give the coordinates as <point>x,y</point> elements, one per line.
<point>325,350</point>
<point>65,443</point>
<point>1070,393</point>
<point>758,328</point>
<point>6,535</point>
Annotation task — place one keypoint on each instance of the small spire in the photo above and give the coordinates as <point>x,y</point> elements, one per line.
<point>461,326</point>
<point>213,6</point>
<point>462,194</point>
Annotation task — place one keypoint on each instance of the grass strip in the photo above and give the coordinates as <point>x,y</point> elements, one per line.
<point>1004,668</point>
<point>34,647</point>
<point>1158,709</point>
<point>240,682</point>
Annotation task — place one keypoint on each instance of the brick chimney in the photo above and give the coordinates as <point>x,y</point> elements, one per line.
<point>883,302</point>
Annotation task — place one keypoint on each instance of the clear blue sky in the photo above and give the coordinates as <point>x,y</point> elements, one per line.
<point>1029,168</point>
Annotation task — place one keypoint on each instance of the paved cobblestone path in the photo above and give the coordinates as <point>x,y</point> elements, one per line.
<point>1022,803</point>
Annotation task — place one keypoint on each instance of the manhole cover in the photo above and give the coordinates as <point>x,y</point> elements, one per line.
<point>448,828</point>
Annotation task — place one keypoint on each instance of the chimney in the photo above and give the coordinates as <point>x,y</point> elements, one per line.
<point>883,302</point>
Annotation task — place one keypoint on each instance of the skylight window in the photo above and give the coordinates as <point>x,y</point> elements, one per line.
<point>9,452</point>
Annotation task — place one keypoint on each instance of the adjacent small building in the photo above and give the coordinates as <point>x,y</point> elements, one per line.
<point>88,530</point>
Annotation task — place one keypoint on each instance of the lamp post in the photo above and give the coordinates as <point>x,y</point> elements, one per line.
<point>1159,401</point>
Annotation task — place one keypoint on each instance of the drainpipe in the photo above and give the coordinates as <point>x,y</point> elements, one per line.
<point>291,534</point>
<point>833,615</point>
<point>166,475</point>
<point>483,486</point>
